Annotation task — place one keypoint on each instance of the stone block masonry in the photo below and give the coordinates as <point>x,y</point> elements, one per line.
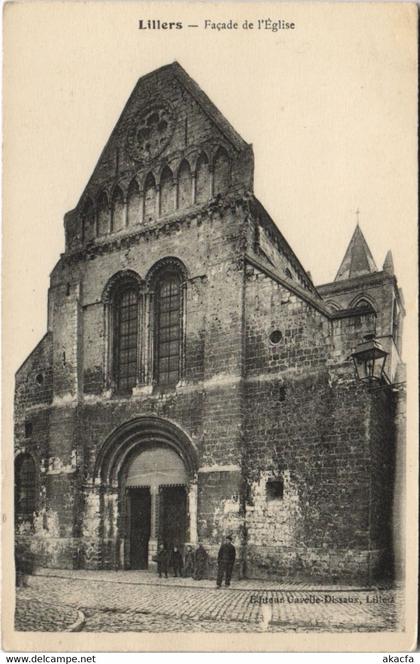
<point>193,381</point>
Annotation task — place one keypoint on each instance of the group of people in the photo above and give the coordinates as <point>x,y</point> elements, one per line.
<point>195,563</point>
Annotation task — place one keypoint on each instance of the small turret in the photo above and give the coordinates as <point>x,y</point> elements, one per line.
<point>358,259</point>
<point>388,265</point>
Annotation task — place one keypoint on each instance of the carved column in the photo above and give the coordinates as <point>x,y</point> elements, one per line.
<point>110,554</point>
<point>175,193</point>
<point>141,215</point>
<point>125,213</point>
<point>193,188</point>
<point>148,336</point>
<point>154,522</point>
<point>183,331</point>
<point>192,511</point>
<point>141,340</point>
<point>108,346</point>
<point>157,202</point>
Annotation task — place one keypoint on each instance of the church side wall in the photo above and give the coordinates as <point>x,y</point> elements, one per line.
<point>383,467</point>
<point>306,428</point>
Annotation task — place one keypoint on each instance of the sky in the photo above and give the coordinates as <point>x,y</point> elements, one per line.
<point>329,107</point>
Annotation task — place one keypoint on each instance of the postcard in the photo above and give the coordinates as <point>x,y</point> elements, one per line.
<point>209,325</point>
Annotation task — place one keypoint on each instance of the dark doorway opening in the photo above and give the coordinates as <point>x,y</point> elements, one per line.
<point>139,519</point>
<point>173,515</point>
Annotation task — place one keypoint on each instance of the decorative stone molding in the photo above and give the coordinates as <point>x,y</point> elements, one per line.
<point>117,279</point>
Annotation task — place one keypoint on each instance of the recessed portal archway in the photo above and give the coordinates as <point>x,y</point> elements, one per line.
<point>155,488</point>
<point>146,473</point>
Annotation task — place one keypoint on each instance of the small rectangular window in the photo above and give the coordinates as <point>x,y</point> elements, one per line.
<point>28,429</point>
<point>274,489</point>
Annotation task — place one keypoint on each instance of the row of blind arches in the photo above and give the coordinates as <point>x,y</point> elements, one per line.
<point>360,302</point>
<point>174,191</point>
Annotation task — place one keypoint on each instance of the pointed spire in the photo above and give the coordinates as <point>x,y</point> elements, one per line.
<point>358,259</point>
<point>388,265</point>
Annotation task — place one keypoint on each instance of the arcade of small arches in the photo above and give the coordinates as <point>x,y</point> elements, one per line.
<point>156,195</point>
<point>359,302</point>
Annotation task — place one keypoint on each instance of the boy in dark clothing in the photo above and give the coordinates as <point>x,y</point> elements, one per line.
<point>200,562</point>
<point>177,562</point>
<point>189,562</point>
<point>162,561</point>
<point>225,562</point>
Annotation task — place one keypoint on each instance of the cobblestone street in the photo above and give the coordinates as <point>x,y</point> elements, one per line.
<point>138,601</point>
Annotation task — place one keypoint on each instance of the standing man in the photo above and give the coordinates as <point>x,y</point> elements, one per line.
<point>162,561</point>
<point>200,563</point>
<point>177,562</point>
<point>225,561</point>
<point>189,561</point>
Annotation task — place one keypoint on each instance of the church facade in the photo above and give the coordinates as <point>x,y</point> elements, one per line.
<point>193,382</point>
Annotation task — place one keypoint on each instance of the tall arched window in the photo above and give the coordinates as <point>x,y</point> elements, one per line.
<point>117,210</point>
<point>103,215</point>
<point>168,328</point>
<point>25,487</point>
<point>202,180</point>
<point>184,185</point>
<point>133,204</point>
<point>149,198</point>
<point>221,172</point>
<point>88,221</point>
<point>125,337</point>
<point>166,192</point>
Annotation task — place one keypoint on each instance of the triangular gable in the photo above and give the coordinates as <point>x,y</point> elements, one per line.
<point>158,90</point>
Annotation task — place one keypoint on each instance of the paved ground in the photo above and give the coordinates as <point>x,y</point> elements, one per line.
<point>34,615</point>
<point>138,601</point>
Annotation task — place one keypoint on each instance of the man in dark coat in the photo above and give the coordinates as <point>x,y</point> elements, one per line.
<point>225,562</point>
<point>189,562</point>
<point>162,561</point>
<point>200,562</point>
<point>176,561</point>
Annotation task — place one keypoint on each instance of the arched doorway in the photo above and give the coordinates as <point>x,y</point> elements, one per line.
<point>155,489</point>
<point>146,481</point>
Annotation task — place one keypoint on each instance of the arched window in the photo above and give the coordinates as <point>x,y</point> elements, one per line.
<point>149,198</point>
<point>166,192</point>
<point>332,306</point>
<point>117,211</point>
<point>364,304</point>
<point>133,204</point>
<point>202,180</point>
<point>184,185</point>
<point>103,215</point>
<point>88,221</point>
<point>125,337</point>
<point>25,487</point>
<point>221,172</point>
<point>168,327</point>
<point>367,317</point>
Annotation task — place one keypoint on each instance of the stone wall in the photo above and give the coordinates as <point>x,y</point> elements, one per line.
<point>308,427</point>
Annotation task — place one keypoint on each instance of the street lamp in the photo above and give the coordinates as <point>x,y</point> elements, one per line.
<point>369,360</point>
